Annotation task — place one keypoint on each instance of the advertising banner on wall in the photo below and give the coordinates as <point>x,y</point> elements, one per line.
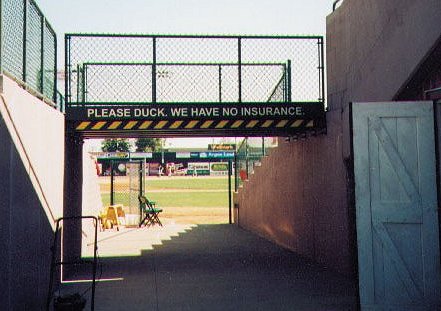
<point>201,168</point>
<point>218,168</point>
<point>222,147</point>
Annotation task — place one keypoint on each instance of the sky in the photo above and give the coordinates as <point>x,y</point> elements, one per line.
<point>242,17</point>
<point>219,17</point>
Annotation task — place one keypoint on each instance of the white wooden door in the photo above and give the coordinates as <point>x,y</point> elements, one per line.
<point>396,206</point>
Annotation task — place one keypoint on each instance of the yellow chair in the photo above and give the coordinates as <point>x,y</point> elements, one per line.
<point>112,216</point>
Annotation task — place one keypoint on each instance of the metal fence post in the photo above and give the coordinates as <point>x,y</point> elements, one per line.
<point>289,81</point>
<point>239,69</point>
<point>285,82</point>
<point>112,179</point>
<point>220,83</point>
<point>230,209</point>
<point>236,176</point>
<point>55,68</point>
<point>246,156</point>
<point>83,83</point>
<point>1,37</point>
<point>67,71</point>
<point>321,69</point>
<point>42,23</point>
<point>25,17</point>
<point>154,72</point>
<point>141,187</point>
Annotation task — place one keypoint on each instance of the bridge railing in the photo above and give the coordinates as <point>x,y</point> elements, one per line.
<point>136,69</point>
<point>28,47</point>
<point>205,82</point>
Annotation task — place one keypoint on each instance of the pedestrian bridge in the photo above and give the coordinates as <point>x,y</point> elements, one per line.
<point>164,85</point>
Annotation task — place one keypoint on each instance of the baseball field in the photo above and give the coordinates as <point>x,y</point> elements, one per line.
<point>184,199</point>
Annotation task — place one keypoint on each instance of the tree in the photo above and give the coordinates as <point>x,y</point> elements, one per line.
<point>115,144</point>
<point>148,144</point>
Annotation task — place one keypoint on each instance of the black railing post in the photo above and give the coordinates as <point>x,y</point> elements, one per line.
<point>289,81</point>
<point>236,176</point>
<point>239,68</point>
<point>112,177</point>
<point>84,83</point>
<point>25,18</point>
<point>246,156</point>
<point>141,187</point>
<point>42,22</point>
<point>67,72</point>
<point>230,208</point>
<point>154,72</point>
<point>55,67</point>
<point>1,37</point>
<point>78,82</point>
<point>220,83</point>
<point>322,69</point>
<point>285,83</point>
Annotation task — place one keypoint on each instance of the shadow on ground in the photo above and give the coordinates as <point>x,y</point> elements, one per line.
<point>218,267</point>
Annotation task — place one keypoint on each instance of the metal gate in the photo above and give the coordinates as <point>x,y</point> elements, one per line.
<point>396,206</point>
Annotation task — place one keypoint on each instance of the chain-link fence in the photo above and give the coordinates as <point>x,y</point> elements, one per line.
<point>136,175</point>
<point>126,181</point>
<point>160,69</point>
<point>249,155</point>
<point>28,46</point>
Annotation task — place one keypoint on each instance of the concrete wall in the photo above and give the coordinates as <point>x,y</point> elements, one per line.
<point>298,199</point>
<point>374,47</point>
<point>92,202</point>
<point>31,192</point>
<point>302,196</point>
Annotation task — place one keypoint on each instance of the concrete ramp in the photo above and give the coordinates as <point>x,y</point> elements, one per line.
<point>210,267</point>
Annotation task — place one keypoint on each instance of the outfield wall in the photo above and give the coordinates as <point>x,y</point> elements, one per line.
<point>31,192</point>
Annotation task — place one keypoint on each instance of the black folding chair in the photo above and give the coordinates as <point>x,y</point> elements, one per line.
<point>150,212</point>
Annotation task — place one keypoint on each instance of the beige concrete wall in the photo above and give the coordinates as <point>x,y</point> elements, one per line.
<point>92,202</point>
<point>31,192</point>
<point>301,197</point>
<point>41,132</point>
<point>373,47</point>
<point>298,199</point>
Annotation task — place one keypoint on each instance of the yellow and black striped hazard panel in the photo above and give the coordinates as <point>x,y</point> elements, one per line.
<point>164,125</point>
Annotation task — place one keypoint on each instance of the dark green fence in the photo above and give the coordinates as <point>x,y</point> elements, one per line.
<point>249,155</point>
<point>142,69</point>
<point>208,82</point>
<point>28,46</point>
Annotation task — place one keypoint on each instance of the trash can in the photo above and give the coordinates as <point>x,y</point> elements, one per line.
<point>69,303</point>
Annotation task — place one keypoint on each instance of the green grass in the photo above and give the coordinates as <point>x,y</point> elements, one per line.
<point>195,199</point>
<point>187,183</point>
<point>176,199</point>
<point>182,194</point>
<point>120,198</point>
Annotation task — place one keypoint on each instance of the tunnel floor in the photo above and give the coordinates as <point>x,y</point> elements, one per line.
<point>208,267</point>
